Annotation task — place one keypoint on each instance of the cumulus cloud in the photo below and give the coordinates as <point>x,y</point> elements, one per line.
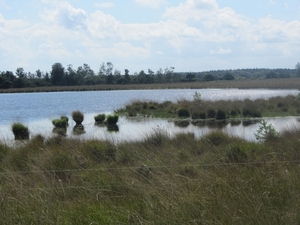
<point>67,16</point>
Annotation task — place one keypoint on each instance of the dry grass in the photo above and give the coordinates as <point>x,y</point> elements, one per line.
<point>285,83</point>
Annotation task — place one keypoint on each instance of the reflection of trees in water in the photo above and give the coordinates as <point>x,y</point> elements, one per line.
<point>78,129</point>
<point>235,122</point>
<point>183,123</point>
<point>60,131</point>
<point>250,122</point>
<point>113,128</point>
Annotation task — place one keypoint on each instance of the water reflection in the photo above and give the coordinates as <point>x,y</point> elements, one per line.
<point>136,129</point>
<point>78,129</point>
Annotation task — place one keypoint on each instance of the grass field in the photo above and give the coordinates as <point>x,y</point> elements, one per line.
<point>215,180</point>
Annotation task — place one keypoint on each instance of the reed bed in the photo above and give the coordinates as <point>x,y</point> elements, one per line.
<point>283,83</point>
<point>161,180</point>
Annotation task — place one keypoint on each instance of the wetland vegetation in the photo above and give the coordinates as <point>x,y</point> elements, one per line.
<point>158,180</point>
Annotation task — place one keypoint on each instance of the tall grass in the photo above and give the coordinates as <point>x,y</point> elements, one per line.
<point>160,180</point>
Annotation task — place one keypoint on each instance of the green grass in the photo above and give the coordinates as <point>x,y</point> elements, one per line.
<point>215,180</point>
<point>276,106</point>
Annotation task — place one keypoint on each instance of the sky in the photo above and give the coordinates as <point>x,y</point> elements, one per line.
<point>189,35</point>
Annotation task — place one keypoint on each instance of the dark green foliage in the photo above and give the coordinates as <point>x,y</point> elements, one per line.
<point>60,123</point>
<point>182,112</point>
<point>100,118</point>
<point>211,113</point>
<point>236,155</point>
<point>77,117</point>
<point>221,115</point>
<point>20,131</point>
<point>247,112</point>
<point>199,115</point>
<point>112,119</point>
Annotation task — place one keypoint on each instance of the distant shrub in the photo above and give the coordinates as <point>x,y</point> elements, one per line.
<point>77,117</point>
<point>182,112</point>
<point>100,118</point>
<point>20,131</point>
<point>211,113</point>
<point>60,123</point>
<point>199,115</point>
<point>247,112</point>
<point>112,119</point>
<point>221,115</point>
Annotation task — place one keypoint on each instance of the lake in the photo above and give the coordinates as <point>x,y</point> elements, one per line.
<point>36,110</point>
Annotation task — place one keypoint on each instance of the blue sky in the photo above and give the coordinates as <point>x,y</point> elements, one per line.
<point>190,35</point>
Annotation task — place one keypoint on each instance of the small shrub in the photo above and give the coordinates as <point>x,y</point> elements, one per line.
<point>100,118</point>
<point>112,119</point>
<point>60,123</point>
<point>77,117</point>
<point>182,112</point>
<point>199,115</point>
<point>266,132</point>
<point>20,131</point>
<point>211,113</point>
<point>221,115</point>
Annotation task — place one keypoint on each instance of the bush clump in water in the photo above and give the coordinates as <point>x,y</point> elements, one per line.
<point>60,123</point>
<point>77,117</point>
<point>20,131</point>
<point>112,119</point>
<point>100,118</point>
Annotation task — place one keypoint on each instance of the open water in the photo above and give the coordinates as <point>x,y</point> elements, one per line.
<point>36,110</point>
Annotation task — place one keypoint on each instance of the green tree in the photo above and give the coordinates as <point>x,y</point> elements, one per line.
<point>208,77</point>
<point>228,76</point>
<point>298,69</point>
<point>57,74</point>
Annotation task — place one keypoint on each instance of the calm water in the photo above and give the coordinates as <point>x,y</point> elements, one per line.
<point>36,110</point>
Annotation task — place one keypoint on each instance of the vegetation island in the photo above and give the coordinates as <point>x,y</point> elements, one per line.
<point>218,179</point>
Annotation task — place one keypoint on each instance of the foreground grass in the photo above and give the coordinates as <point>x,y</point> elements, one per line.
<point>215,180</point>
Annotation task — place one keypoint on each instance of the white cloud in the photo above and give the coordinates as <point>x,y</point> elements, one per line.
<point>151,3</point>
<point>66,15</point>
<point>220,51</point>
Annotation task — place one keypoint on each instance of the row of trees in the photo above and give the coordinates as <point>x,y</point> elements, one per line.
<point>107,74</point>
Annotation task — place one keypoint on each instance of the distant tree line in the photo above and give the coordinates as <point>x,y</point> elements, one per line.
<point>107,74</point>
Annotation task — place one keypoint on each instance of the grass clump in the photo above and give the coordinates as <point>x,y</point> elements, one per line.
<point>100,118</point>
<point>112,119</point>
<point>20,131</point>
<point>77,117</point>
<point>61,123</point>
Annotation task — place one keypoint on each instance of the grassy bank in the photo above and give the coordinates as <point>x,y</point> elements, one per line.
<point>215,180</point>
<point>229,109</point>
<point>285,83</point>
